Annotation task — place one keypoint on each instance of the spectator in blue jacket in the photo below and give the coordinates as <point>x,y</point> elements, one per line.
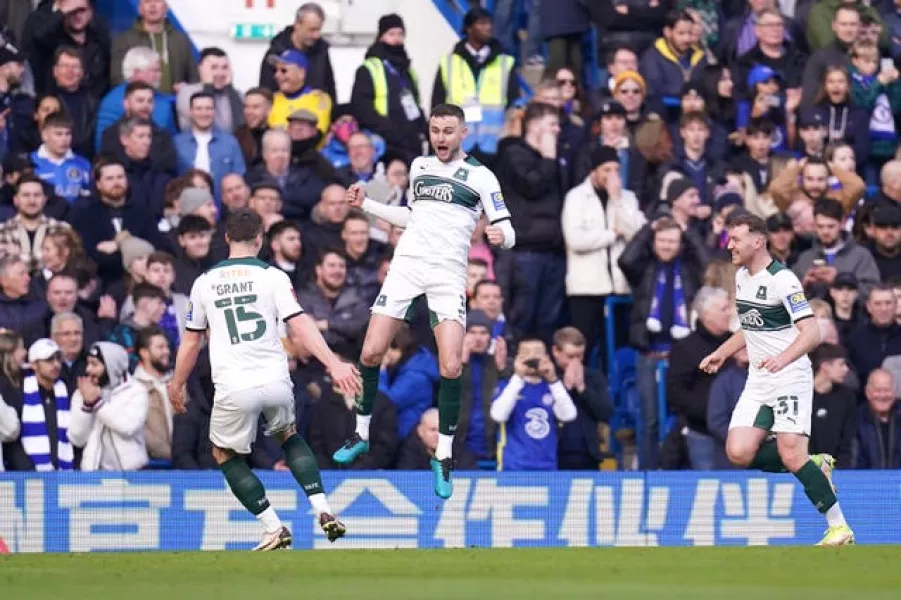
<point>408,376</point>
<point>673,60</point>
<point>139,102</point>
<point>724,394</point>
<point>140,64</point>
<point>204,147</point>
<point>878,441</point>
<point>54,162</point>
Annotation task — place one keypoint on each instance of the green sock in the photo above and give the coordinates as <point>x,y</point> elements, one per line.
<point>448,405</point>
<point>370,377</point>
<point>302,463</point>
<point>246,487</point>
<point>816,486</point>
<point>767,459</point>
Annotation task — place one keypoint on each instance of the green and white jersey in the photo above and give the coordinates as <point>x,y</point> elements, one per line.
<point>446,200</point>
<point>243,302</point>
<point>769,304</point>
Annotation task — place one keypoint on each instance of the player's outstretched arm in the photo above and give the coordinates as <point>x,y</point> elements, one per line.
<point>188,349</point>
<point>305,334</point>
<point>399,216</point>
<point>713,361</point>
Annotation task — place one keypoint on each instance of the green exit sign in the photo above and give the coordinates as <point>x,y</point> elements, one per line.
<point>253,31</point>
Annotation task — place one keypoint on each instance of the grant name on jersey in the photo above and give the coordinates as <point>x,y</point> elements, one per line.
<point>241,287</point>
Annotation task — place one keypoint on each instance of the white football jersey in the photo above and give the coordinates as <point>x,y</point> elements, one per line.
<point>446,200</point>
<point>769,304</point>
<point>243,302</point>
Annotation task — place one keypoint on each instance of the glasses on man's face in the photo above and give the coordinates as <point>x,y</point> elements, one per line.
<point>634,91</point>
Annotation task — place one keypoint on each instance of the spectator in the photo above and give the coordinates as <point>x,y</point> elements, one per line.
<point>688,389</point>
<point>324,229</point>
<point>563,25</point>
<point>18,305</point>
<point>827,53</point>
<point>235,194</point>
<point>67,330</point>
<point>24,233</point>
<point>673,59</point>
<point>26,138</point>
<point>833,420</point>
<point>305,141</point>
<point>107,415</point>
<point>134,260</point>
<point>161,273</point>
<point>813,174</point>
<point>200,202</point>
<point>12,356</point>
<point>152,28</point>
<point>619,60</point>
<point>139,102</point>
<point>73,25</point>
<point>695,159</point>
<point>528,429</point>
<point>464,75</point>
<point>409,377</point>
<point>149,307</point>
<point>100,220</point>
<point>811,132</point>
<point>873,87</point>
<point>385,96</point>
<point>843,293</point>
<point>299,186</point>
<point>13,94</point>
<point>68,174</point>
<point>531,179</point>
<point>146,179</point>
<point>764,36</point>
<point>44,411</point>
<point>663,265</point>
<point>339,311</point>
<point>148,385</point>
<point>419,447</point>
<point>692,99</point>
<point>362,256</point>
<point>834,252</point>
<point>889,194</point>
<point>286,253</point>
<point>305,36</point>
<point>62,297</point>
<point>215,79</point>
<point>847,123</point>
<point>333,421</point>
<point>194,236</point>
<point>819,33</point>
<point>70,86</point>
<point>886,242</point>
<point>140,65</point>
<point>725,391</point>
<point>579,446</point>
<point>295,94</point>
<point>876,445</point>
<point>873,341</point>
<point>266,201</point>
<point>599,218</point>
<point>203,146</point>
<point>682,202</point>
<point>781,239</point>
<point>257,106</point>
<point>361,167</point>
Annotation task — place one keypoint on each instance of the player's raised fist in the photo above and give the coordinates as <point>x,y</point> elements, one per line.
<point>495,235</point>
<point>355,195</point>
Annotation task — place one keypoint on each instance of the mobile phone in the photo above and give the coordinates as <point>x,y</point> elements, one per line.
<point>886,64</point>
<point>532,363</point>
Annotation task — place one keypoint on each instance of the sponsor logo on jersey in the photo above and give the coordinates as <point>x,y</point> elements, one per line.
<point>752,318</point>
<point>190,311</point>
<point>761,293</point>
<point>497,199</point>
<point>442,191</point>
<point>798,302</point>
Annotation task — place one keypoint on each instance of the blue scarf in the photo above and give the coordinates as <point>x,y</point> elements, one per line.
<point>475,434</point>
<point>497,330</point>
<point>35,439</point>
<point>169,324</point>
<point>680,327</point>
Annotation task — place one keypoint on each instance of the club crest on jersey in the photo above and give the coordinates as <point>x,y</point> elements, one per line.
<point>442,191</point>
<point>497,199</point>
<point>761,293</point>
<point>461,174</point>
<point>798,302</point>
<point>73,174</point>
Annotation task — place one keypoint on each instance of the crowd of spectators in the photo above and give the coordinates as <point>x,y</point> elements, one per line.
<point>123,154</point>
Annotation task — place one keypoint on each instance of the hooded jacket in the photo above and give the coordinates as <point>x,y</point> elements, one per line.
<point>663,72</point>
<point>411,386</point>
<point>851,257</point>
<point>111,432</point>
<point>176,51</point>
<point>319,66</point>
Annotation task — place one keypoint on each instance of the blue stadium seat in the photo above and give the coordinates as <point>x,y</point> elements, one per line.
<point>159,464</point>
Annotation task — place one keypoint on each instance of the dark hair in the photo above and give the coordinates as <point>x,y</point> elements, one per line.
<point>848,7</point>
<point>611,55</point>
<point>70,51</point>
<point>127,126</point>
<point>146,290</point>
<point>137,86</point>
<point>57,119</point>
<point>485,282</point>
<point>63,275</point>
<point>243,225</point>
<point>330,250</point>
<point>356,215</point>
<point>406,342</point>
<point>212,51</point>
<point>719,109</point>
<point>817,161</point>
<point>693,116</point>
<point>281,227</point>
<point>754,223</point>
<point>537,110</point>
<point>825,352</point>
<point>387,255</point>
<point>193,224</point>
<point>822,97</point>
<point>260,91</point>
<point>479,262</point>
<point>448,110</point>
<point>893,282</point>
<point>199,95</point>
<point>763,126</point>
<point>146,335</point>
<point>104,161</point>
<point>866,19</point>
<point>30,178</point>
<point>674,16</point>
<point>163,258</point>
<point>829,208</point>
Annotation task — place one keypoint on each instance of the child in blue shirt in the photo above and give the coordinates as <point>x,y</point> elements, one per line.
<point>54,162</point>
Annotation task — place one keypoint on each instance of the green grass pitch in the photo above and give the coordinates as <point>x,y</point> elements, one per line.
<point>861,572</point>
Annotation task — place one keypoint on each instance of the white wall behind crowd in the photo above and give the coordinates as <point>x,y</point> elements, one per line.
<point>350,28</point>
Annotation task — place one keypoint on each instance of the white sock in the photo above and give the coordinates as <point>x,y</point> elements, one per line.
<point>445,447</point>
<point>270,520</point>
<point>834,516</point>
<point>320,504</point>
<point>363,426</point>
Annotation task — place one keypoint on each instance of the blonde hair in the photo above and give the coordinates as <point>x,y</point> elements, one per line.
<point>720,273</point>
<point>9,368</point>
<point>821,308</point>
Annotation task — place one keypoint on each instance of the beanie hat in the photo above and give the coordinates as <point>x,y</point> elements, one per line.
<point>630,76</point>
<point>603,154</point>
<point>390,21</point>
<point>191,199</point>
<point>133,248</point>
<point>677,188</point>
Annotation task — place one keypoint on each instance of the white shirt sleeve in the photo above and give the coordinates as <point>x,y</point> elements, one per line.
<point>196,319</point>
<point>286,304</point>
<point>494,206</point>
<point>792,294</point>
<point>505,401</point>
<point>564,408</point>
<point>9,423</point>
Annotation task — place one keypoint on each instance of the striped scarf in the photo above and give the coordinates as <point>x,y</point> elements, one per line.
<point>34,426</point>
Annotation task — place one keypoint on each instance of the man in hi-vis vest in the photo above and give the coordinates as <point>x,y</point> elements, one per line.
<point>481,79</point>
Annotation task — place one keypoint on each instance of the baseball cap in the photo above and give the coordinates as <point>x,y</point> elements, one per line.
<point>43,349</point>
<point>612,107</point>
<point>778,222</point>
<point>289,56</point>
<point>811,117</point>
<point>303,115</point>
<point>761,73</point>
<point>845,281</point>
<point>266,183</point>
<point>887,216</point>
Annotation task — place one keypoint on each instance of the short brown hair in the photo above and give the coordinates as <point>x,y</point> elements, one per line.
<point>568,335</point>
<point>694,116</point>
<point>160,257</point>
<point>754,223</point>
<point>243,225</point>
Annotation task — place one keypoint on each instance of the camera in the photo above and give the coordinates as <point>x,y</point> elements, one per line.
<point>532,363</point>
